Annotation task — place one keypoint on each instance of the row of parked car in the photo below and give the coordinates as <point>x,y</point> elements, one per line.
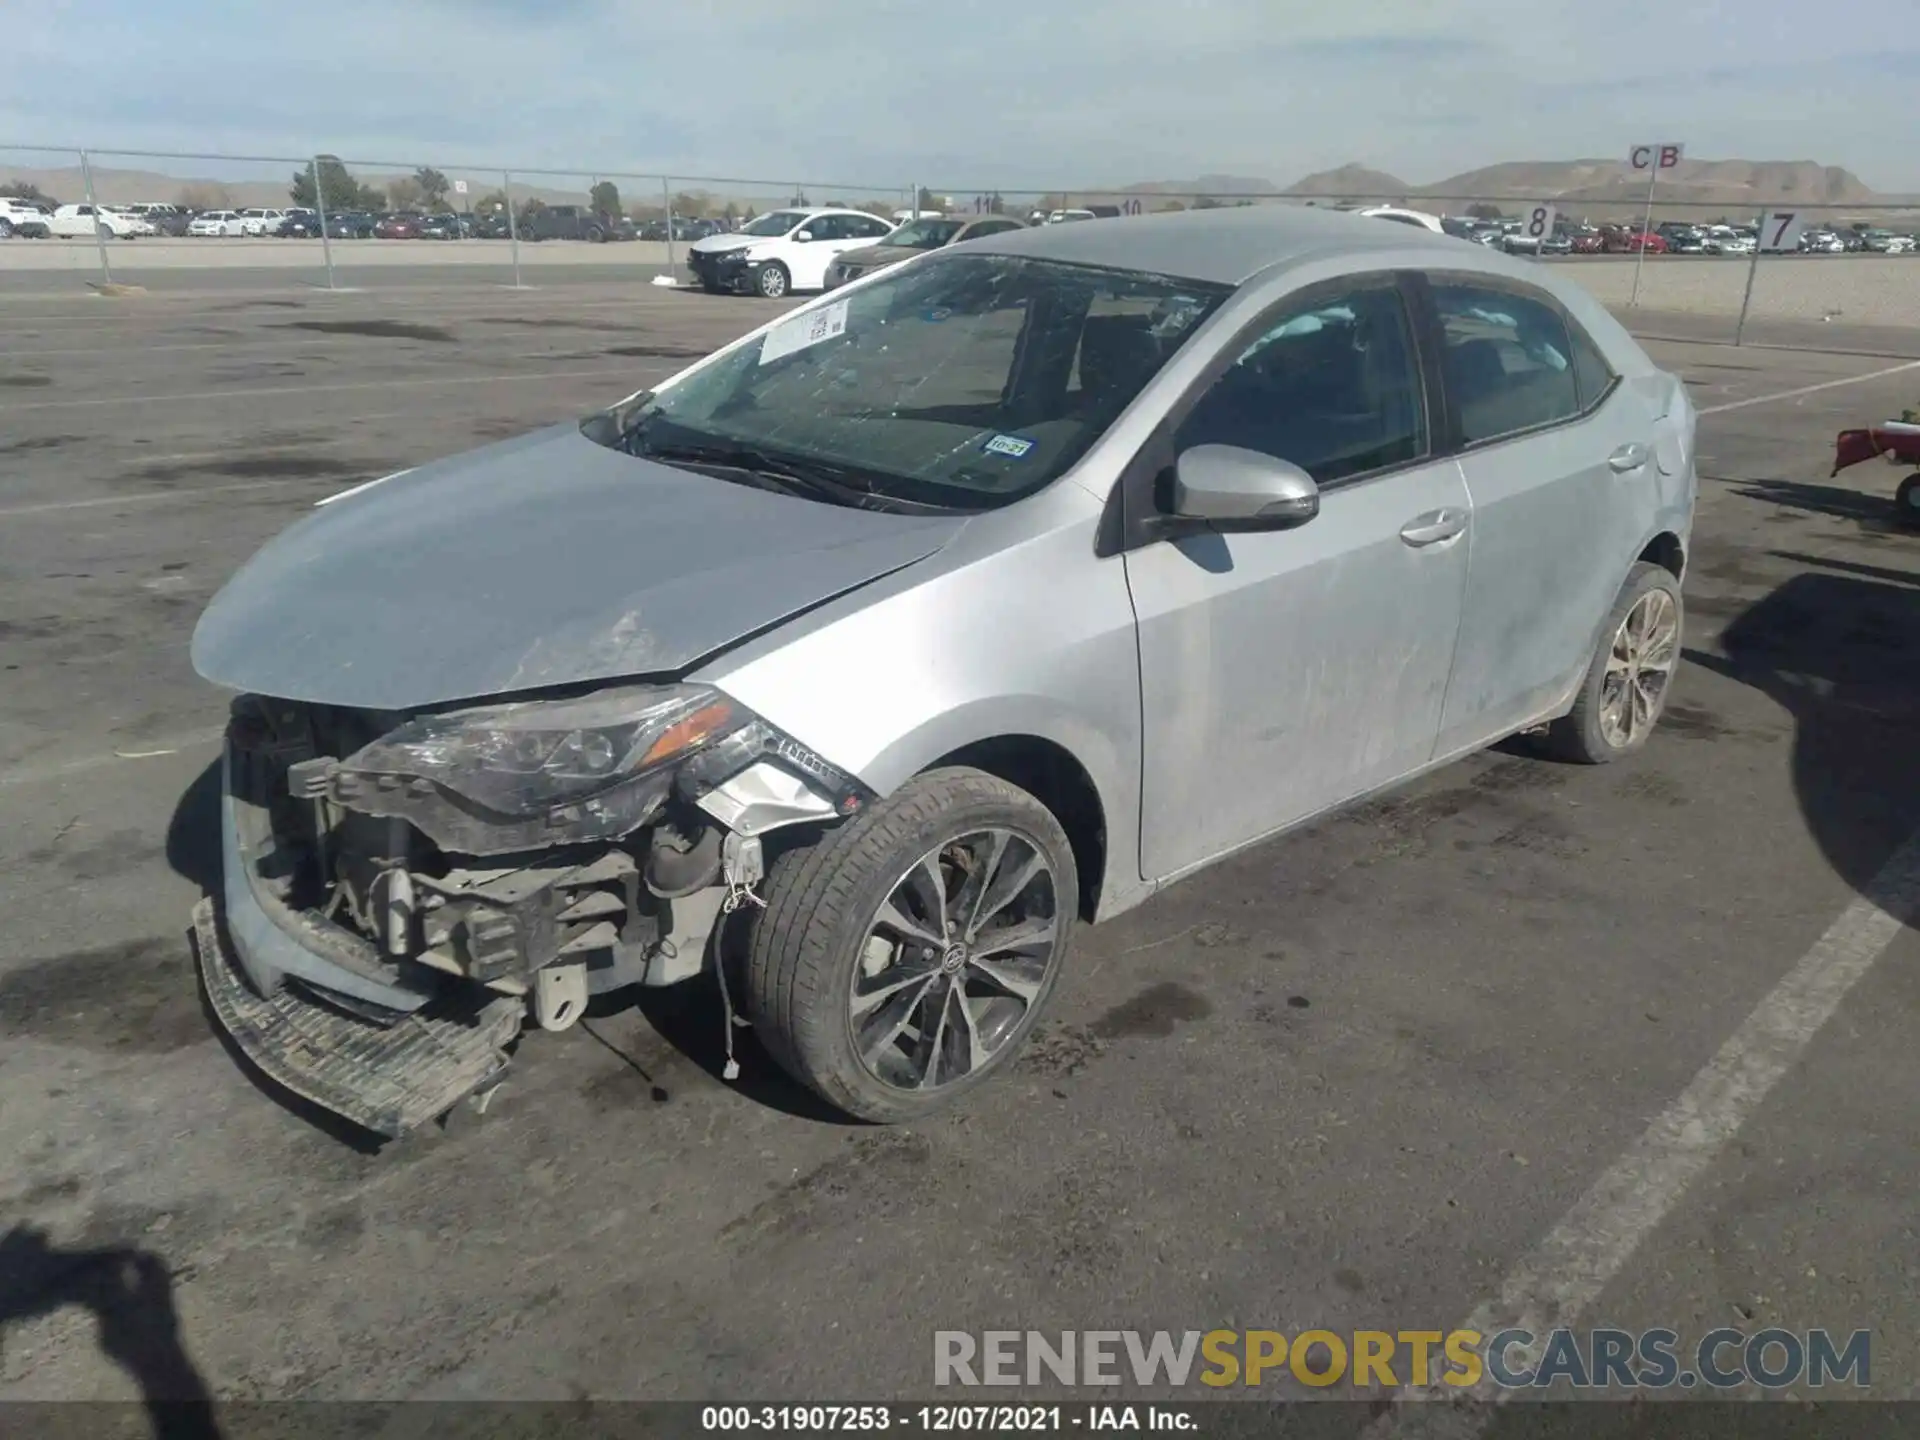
<point>31,220</point>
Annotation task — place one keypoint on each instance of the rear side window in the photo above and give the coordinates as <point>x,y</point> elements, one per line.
<point>1593,377</point>
<point>1509,361</point>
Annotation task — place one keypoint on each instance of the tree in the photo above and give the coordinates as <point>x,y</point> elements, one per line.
<point>433,187</point>
<point>1205,202</point>
<point>1481,210</point>
<point>731,213</point>
<point>404,193</point>
<point>688,206</point>
<point>1167,206</point>
<point>204,197</point>
<point>605,198</point>
<point>491,204</point>
<point>927,200</point>
<point>338,189</point>
<point>528,209</point>
<point>27,190</point>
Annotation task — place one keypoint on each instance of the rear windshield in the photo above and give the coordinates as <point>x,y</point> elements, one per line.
<point>963,380</point>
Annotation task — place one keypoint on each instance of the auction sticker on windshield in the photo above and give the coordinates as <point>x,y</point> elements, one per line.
<point>810,328</point>
<point>1013,446</point>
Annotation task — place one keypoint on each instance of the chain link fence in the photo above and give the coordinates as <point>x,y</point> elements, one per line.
<point>348,222</point>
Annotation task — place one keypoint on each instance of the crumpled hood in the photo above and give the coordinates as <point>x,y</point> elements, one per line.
<point>544,560</point>
<point>881,254</point>
<point>729,240</point>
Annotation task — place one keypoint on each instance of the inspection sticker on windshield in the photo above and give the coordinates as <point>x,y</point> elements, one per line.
<point>812,327</point>
<point>1014,447</point>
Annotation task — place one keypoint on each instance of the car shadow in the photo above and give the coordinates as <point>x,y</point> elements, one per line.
<point>1872,510</point>
<point>193,832</point>
<point>130,1294</point>
<point>1840,652</point>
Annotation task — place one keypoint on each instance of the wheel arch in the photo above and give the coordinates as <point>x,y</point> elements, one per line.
<point>1050,772</point>
<point>1667,550</point>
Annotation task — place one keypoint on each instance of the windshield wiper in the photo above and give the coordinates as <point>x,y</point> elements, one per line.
<point>813,479</point>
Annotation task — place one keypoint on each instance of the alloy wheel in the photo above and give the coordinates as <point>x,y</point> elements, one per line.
<point>1639,665</point>
<point>955,960</point>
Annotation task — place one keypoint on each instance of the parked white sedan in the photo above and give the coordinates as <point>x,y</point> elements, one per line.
<point>216,222</point>
<point>260,222</point>
<point>83,220</point>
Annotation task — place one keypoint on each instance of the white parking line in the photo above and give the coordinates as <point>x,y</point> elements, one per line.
<point>1810,389</point>
<point>340,388</point>
<point>147,750</point>
<point>1568,1269</point>
<point>148,497</point>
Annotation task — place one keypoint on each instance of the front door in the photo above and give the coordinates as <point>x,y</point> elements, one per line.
<point>1283,672</point>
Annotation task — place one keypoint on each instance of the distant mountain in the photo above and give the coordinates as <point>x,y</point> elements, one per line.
<point>1351,182</point>
<point>1203,185</point>
<point>1732,183</point>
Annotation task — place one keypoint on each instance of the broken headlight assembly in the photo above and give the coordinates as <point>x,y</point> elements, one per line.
<point>502,778</point>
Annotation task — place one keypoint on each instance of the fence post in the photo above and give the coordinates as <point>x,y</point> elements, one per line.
<point>666,201</point>
<point>1753,269</point>
<point>93,213</point>
<point>320,205</point>
<point>513,226</point>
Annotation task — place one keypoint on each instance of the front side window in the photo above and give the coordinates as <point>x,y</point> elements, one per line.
<point>1508,359</point>
<point>963,381</point>
<point>867,227</point>
<point>924,234</point>
<point>1332,386</point>
<point>775,222</point>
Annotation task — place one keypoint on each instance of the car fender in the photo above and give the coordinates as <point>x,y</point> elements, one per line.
<point>1014,629</point>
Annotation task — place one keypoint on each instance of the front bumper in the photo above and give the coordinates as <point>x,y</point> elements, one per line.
<point>387,1078</point>
<point>729,269</point>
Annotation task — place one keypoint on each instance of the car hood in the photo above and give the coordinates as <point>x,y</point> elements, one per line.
<point>719,244</point>
<point>876,255</point>
<point>541,561</point>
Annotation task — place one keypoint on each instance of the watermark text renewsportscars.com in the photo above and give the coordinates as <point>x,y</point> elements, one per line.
<point>1383,1360</point>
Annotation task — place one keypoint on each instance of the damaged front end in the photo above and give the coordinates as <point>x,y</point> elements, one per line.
<point>403,891</point>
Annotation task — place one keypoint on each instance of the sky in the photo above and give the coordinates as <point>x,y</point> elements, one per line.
<point>968,95</point>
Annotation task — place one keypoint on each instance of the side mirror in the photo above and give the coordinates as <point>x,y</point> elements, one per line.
<point>1230,488</point>
<point>803,235</point>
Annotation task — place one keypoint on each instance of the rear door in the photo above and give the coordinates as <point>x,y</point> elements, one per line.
<point>1559,459</point>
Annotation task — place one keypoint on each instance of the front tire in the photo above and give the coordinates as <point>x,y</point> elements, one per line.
<point>1626,685</point>
<point>773,282</point>
<point>1906,503</point>
<point>905,957</point>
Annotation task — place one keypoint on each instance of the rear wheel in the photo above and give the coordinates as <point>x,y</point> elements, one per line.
<point>6,228</point>
<point>1906,502</point>
<point>905,957</point>
<point>773,282</point>
<point>1625,689</point>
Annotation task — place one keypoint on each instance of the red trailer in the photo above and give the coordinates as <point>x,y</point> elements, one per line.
<point>1898,441</point>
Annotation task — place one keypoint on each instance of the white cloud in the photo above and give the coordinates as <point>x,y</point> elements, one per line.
<point>972,93</point>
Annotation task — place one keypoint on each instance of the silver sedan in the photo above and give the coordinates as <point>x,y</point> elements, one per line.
<point>855,664</point>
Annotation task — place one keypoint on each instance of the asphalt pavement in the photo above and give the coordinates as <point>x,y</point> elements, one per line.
<point>1354,1079</point>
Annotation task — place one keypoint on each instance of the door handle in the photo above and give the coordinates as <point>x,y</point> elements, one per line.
<point>1627,457</point>
<point>1433,527</point>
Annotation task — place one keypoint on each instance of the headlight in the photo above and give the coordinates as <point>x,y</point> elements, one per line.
<point>526,758</point>
<point>505,778</point>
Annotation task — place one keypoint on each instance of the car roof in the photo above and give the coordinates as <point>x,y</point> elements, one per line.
<point>1227,246</point>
